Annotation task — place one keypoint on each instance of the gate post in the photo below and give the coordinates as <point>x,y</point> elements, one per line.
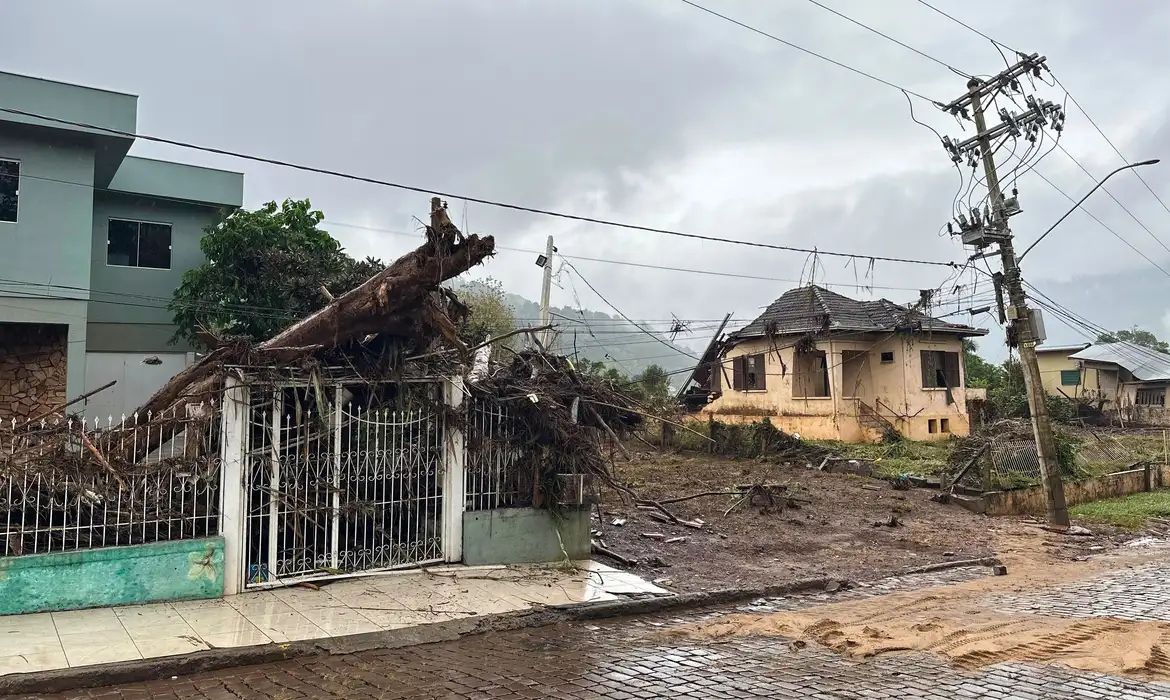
<point>454,473</point>
<point>233,450</point>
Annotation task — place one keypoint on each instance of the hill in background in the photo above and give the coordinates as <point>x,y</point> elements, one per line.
<point>611,339</point>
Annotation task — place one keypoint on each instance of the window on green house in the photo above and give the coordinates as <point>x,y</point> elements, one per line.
<point>9,189</point>
<point>1070,377</point>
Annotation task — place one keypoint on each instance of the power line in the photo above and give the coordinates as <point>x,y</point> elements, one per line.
<point>882,34</point>
<point>1115,199</point>
<point>1102,223</point>
<point>617,310</point>
<point>1108,141</point>
<point>629,263</point>
<point>810,52</point>
<point>961,22</point>
<point>476,200</point>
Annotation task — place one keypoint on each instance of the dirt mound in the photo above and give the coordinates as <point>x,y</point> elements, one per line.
<point>960,624</point>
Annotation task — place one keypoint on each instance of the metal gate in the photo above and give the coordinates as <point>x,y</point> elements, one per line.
<point>342,478</point>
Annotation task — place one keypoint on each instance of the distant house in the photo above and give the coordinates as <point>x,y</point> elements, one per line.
<point>95,243</point>
<point>1064,376</point>
<point>829,367</point>
<point>1128,379</point>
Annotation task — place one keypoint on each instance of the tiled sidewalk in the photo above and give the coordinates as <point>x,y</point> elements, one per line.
<point>46,641</point>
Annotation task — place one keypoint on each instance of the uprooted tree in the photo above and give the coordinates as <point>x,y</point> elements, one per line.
<point>403,301</point>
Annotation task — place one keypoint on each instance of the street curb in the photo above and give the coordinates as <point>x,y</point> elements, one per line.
<point>137,671</point>
<point>957,564</point>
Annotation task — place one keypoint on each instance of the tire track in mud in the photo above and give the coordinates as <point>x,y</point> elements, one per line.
<point>1049,648</point>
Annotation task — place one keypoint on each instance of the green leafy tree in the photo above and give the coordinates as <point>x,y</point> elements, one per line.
<point>979,372</point>
<point>490,314</point>
<point>1136,336</point>
<point>1010,397</point>
<point>652,386</point>
<point>264,269</point>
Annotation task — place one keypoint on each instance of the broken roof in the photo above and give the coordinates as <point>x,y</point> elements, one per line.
<point>1143,363</point>
<point>813,309</point>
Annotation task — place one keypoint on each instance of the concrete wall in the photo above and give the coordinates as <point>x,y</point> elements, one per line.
<point>137,382</point>
<point>894,389</point>
<point>183,570</point>
<point>1031,500</point>
<point>524,535</point>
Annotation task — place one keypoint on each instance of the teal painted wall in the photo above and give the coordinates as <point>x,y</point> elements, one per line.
<point>167,180</point>
<point>54,214</point>
<point>102,108</point>
<point>187,569</point>
<point>523,535</point>
<point>111,284</point>
<point>46,245</point>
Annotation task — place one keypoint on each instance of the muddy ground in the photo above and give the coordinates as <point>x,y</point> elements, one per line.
<point>840,527</point>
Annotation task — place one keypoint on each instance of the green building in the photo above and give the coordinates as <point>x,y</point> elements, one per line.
<point>93,242</point>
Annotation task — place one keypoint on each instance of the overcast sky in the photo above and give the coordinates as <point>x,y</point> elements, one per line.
<point>651,112</point>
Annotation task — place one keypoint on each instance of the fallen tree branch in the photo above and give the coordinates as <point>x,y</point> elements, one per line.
<point>66,405</point>
<point>680,499</point>
<point>605,426</point>
<point>596,548</point>
<point>101,459</point>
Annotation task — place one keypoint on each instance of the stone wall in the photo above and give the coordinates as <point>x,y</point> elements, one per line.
<point>32,368</point>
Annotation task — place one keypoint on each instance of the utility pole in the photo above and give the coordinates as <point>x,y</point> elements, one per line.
<point>546,261</point>
<point>990,226</point>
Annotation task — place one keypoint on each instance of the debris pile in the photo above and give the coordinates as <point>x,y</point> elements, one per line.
<point>398,325</point>
<point>559,420</point>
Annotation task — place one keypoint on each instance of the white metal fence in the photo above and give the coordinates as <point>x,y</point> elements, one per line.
<point>343,479</point>
<point>304,479</point>
<point>67,484</point>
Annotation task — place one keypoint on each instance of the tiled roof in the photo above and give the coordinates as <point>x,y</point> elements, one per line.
<point>1143,363</point>
<point>814,309</point>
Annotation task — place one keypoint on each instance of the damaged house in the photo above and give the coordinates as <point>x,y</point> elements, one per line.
<point>825,366</point>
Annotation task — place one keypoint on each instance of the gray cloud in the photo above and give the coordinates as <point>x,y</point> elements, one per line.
<point>650,112</point>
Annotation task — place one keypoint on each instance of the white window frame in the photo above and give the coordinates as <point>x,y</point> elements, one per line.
<point>19,177</point>
<point>170,246</point>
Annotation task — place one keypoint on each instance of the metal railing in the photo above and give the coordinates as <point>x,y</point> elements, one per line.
<point>335,490</point>
<point>81,483</point>
<point>494,477</point>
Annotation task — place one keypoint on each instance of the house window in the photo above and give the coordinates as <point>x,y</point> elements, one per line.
<point>940,370</point>
<point>944,425</point>
<point>9,189</point>
<point>138,244</point>
<point>810,375</point>
<point>887,357</point>
<point>1070,377</point>
<point>1151,397</point>
<point>932,426</point>
<point>748,373</point>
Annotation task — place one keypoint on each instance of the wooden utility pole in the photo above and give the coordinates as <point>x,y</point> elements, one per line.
<point>991,226</point>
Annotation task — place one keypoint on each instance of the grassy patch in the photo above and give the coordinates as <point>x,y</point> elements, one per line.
<point>1129,511</point>
<point>894,459</point>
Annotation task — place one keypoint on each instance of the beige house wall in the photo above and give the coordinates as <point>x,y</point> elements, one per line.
<point>893,389</point>
<point>1098,380</point>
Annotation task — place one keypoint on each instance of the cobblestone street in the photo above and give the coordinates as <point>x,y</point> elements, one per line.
<point>631,658</point>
